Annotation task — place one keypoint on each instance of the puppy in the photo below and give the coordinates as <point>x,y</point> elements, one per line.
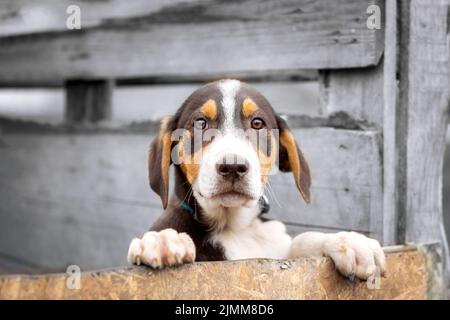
<point>224,142</point>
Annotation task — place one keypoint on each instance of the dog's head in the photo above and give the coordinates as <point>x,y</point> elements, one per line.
<point>226,139</point>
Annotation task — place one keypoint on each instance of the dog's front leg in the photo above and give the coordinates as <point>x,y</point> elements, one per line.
<point>162,249</point>
<point>352,253</point>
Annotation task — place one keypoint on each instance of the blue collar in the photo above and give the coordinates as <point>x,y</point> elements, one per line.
<point>189,210</point>
<point>263,204</point>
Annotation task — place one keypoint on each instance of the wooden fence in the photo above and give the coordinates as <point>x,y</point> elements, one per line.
<point>77,193</point>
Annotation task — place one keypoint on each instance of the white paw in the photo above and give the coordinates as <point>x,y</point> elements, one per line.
<point>162,249</point>
<point>355,254</point>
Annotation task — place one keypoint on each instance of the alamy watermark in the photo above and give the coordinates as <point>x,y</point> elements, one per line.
<point>73,280</point>
<point>374,281</point>
<point>374,20</point>
<point>73,21</point>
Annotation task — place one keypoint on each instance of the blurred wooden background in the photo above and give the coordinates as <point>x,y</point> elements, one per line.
<point>76,191</point>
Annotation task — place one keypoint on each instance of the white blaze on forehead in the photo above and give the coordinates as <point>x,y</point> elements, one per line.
<point>229,89</point>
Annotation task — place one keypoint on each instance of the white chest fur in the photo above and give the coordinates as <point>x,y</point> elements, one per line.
<point>256,240</point>
<point>242,235</point>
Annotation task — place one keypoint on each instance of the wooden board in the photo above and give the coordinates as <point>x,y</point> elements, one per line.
<point>81,198</point>
<point>198,38</point>
<point>28,16</point>
<point>391,150</point>
<point>358,92</point>
<point>73,199</point>
<point>139,103</point>
<point>313,278</point>
<point>370,94</point>
<point>424,102</point>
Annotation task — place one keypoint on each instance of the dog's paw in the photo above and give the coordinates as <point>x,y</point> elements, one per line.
<point>162,249</point>
<point>355,255</point>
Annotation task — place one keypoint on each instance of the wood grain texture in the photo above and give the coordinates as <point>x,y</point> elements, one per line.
<point>73,199</point>
<point>391,150</point>
<point>370,94</point>
<point>215,38</point>
<point>358,92</point>
<point>313,278</point>
<point>81,198</point>
<point>424,75</point>
<point>424,101</point>
<point>29,16</point>
<point>140,103</point>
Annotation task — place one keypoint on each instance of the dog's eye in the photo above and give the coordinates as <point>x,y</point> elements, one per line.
<point>200,124</point>
<point>258,123</point>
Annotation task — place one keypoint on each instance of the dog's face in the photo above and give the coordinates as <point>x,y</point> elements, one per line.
<point>226,139</point>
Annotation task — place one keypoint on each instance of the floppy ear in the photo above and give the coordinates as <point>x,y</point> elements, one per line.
<point>291,159</point>
<point>159,162</point>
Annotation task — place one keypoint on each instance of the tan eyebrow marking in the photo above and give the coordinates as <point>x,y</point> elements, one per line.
<point>249,107</point>
<point>209,109</point>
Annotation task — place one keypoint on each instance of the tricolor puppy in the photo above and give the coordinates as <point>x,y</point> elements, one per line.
<point>223,142</point>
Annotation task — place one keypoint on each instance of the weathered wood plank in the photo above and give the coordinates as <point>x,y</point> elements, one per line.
<point>140,103</point>
<point>391,150</point>
<point>248,279</point>
<point>370,94</point>
<point>66,197</point>
<point>177,40</point>
<point>73,199</point>
<point>28,16</point>
<point>424,100</point>
<point>358,92</point>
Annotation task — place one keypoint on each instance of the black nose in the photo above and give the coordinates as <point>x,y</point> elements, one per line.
<point>232,166</point>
